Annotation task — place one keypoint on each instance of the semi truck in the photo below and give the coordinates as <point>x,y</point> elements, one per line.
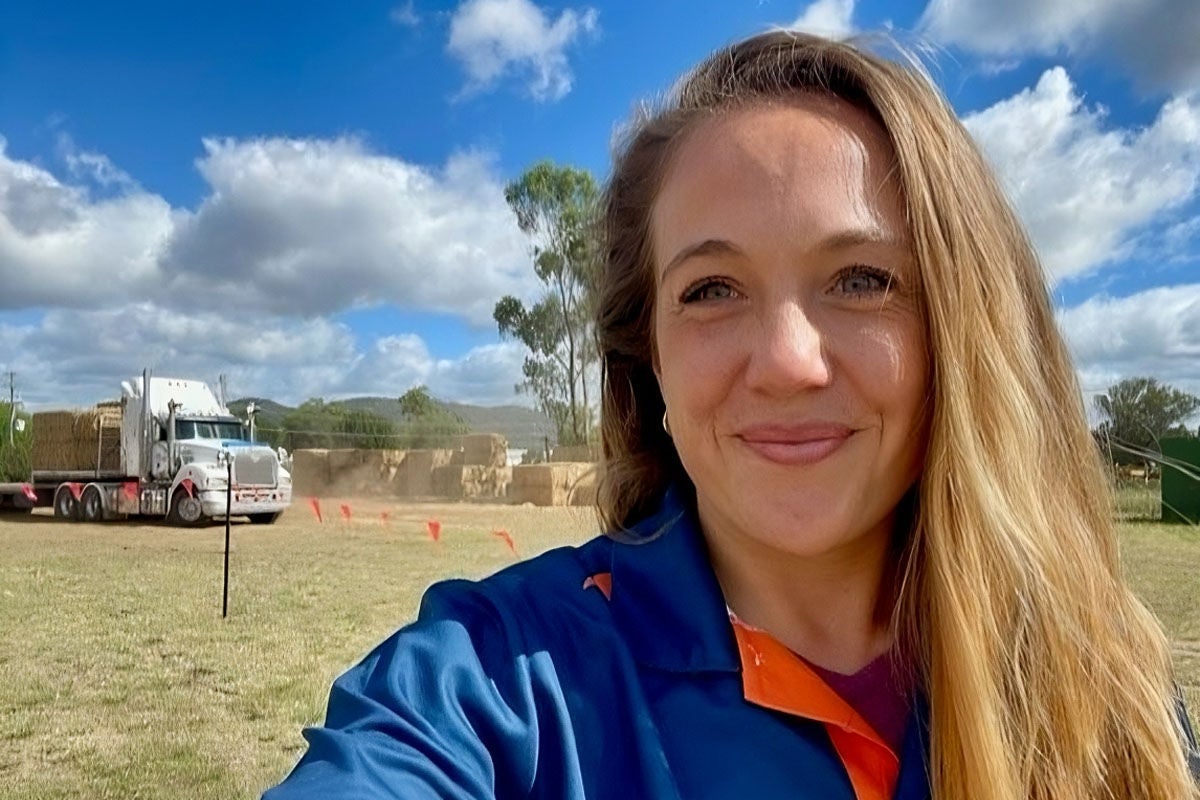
<point>166,449</point>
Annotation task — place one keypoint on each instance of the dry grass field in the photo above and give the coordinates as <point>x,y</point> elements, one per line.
<point>120,679</point>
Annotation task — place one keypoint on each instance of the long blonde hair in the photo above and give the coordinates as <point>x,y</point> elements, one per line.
<point>1046,678</point>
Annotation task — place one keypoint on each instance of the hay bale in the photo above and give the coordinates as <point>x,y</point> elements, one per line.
<point>574,453</point>
<point>310,473</point>
<point>77,440</point>
<point>448,481</point>
<point>343,461</point>
<point>414,476</point>
<point>471,481</point>
<point>583,492</point>
<point>551,484</point>
<point>380,468</point>
<point>365,473</point>
<point>485,449</point>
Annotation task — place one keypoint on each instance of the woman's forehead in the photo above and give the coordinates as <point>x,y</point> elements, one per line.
<point>818,162</point>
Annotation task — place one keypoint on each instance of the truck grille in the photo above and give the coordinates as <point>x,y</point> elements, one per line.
<point>255,468</point>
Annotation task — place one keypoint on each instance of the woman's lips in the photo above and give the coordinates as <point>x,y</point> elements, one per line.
<point>807,443</point>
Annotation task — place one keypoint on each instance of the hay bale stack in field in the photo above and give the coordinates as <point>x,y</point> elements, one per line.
<point>414,475</point>
<point>485,450</point>
<point>554,484</point>
<point>471,481</point>
<point>583,493</point>
<point>310,473</point>
<point>364,473</point>
<point>77,440</point>
<point>575,453</point>
<point>379,471</point>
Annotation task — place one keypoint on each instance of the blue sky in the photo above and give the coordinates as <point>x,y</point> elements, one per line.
<point>308,196</point>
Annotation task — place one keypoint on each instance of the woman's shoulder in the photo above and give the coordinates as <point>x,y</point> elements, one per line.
<point>543,590</point>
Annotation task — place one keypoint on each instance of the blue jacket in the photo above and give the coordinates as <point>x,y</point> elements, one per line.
<point>610,671</point>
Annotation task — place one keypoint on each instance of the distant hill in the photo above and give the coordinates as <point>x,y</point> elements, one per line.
<point>524,428</point>
<point>270,413</point>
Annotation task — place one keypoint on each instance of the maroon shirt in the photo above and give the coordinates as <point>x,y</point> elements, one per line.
<point>876,693</point>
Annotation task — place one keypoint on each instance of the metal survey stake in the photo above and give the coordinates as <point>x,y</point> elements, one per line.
<point>228,458</point>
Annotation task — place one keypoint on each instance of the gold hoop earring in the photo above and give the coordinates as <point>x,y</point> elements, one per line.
<point>666,424</point>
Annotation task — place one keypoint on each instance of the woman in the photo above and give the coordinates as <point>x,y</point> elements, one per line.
<point>862,548</point>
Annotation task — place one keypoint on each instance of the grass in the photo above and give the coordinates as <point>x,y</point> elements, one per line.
<point>121,680</point>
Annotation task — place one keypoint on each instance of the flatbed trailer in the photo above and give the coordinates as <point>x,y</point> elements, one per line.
<point>175,452</point>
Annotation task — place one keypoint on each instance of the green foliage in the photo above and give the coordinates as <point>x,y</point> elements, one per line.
<point>15,445</point>
<point>426,422</point>
<point>557,208</point>
<point>417,403</point>
<point>1137,413</point>
<point>366,431</point>
<point>268,419</point>
<point>317,424</point>
<point>311,425</point>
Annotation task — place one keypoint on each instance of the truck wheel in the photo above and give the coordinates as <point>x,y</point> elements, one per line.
<point>264,519</point>
<point>91,505</point>
<point>186,510</point>
<point>65,504</point>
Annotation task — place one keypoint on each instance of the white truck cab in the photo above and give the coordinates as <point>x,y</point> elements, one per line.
<point>184,444</point>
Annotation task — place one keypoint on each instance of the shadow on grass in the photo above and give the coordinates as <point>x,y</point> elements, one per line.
<point>18,518</point>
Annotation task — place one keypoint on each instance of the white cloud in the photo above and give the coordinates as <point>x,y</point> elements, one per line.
<point>405,15</point>
<point>1154,39</point>
<point>1083,188</point>
<point>91,166</point>
<point>1181,239</point>
<point>79,358</point>
<point>291,232</point>
<point>61,247</point>
<point>494,37</point>
<point>485,375</point>
<point>289,227</point>
<point>1155,332</point>
<point>303,226</point>
<point>827,18</point>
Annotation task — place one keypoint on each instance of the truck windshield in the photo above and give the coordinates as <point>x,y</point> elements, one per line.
<point>208,429</point>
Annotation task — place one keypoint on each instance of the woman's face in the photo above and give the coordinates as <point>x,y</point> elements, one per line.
<point>789,348</point>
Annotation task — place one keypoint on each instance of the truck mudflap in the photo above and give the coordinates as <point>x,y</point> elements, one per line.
<point>17,497</point>
<point>258,500</point>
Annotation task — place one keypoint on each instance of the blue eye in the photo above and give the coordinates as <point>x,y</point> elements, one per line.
<point>708,289</point>
<point>863,280</point>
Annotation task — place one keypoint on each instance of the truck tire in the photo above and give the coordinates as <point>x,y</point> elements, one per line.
<point>186,510</point>
<point>264,519</point>
<point>65,504</point>
<point>91,505</point>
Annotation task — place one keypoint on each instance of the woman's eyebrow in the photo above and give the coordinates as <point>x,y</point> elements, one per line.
<point>708,247</point>
<point>856,237</point>
<point>841,240</point>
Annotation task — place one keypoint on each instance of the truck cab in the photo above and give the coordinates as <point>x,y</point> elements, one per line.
<point>186,445</point>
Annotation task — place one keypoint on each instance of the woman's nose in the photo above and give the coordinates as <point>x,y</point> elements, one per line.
<point>788,354</point>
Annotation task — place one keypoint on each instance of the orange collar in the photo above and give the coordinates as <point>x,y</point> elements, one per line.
<point>775,677</point>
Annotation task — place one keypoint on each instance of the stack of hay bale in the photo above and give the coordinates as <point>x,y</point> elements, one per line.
<point>415,477</point>
<point>575,453</point>
<point>310,473</point>
<point>358,473</point>
<point>554,484</point>
<point>478,470</point>
<point>77,441</point>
